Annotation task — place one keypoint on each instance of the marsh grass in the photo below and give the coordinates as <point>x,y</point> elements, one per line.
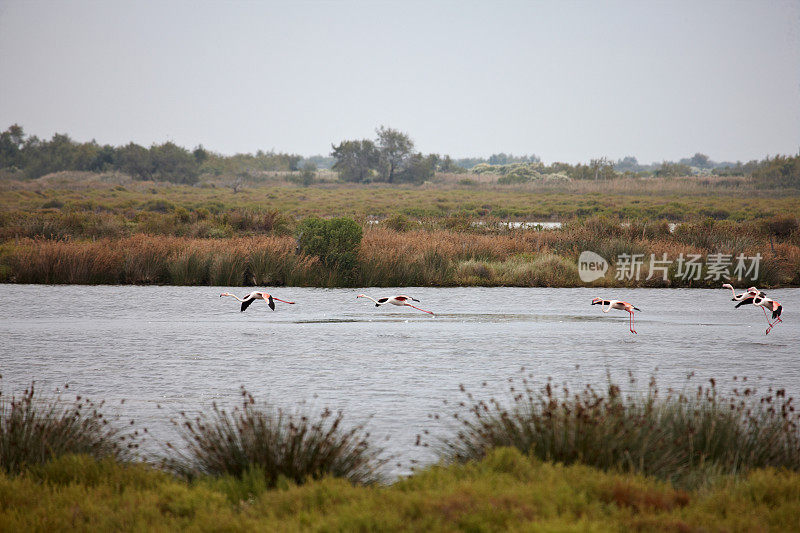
<point>422,256</point>
<point>261,445</point>
<point>36,429</point>
<point>687,439</point>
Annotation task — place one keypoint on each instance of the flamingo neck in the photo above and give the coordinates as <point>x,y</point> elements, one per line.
<point>233,296</point>
<point>371,298</point>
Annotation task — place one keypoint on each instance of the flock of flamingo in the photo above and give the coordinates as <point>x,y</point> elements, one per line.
<point>751,296</point>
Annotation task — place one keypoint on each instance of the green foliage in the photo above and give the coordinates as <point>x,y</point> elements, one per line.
<point>395,148</point>
<point>506,491</point>
<point>173,163</point>
<point>270,443</point>
<point>35,430</point>
<point>355,159</point>
<point>335,241</point>
<point>780,171</point>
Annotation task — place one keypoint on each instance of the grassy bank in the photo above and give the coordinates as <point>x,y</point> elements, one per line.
<point>505,490</point>
<point>548,460</point>
<point>409,257</point>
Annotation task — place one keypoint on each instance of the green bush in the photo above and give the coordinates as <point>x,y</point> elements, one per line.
<point>334,241</point>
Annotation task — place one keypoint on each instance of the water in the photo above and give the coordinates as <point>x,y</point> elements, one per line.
<point>184,347</point>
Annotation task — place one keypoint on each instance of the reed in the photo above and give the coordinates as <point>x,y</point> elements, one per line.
<point>687,439</point>
<point>271,443</point>
<point>422,256</point>
<point>36,429</point>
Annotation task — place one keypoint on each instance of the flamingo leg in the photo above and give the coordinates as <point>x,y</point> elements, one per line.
<point>279,300</point>
<point>423,310</point>
<point>631,322</point>
<point>773,324</point>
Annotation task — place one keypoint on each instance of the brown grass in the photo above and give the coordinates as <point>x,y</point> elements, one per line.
<point>419,257</point>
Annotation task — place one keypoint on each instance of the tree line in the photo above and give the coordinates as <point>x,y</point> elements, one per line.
<point>390,157</point>
<point>33,157</point>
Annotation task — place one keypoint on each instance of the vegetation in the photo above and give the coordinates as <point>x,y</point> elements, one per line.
<point>35,430</point>
<point>230,220</point>
<point>333,253</point>
<point>389,158</point>
<point>266,445</point>
<point>589,462</point>
<point>335,242</point>
<point>504,491</point>
<point>684,438</point>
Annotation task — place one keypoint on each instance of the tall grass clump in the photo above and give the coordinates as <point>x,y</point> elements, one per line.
<point>273,444</point>
<point>35,430</point>
<point>686,439</point>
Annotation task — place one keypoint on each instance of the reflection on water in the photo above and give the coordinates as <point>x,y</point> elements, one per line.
<point>183,347</point>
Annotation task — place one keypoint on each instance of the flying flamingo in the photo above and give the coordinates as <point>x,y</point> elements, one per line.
<point>256,295</point>
<point>395,300</point>
<point>768,303</point>
<point>744,298</point>
<point>617,304</point>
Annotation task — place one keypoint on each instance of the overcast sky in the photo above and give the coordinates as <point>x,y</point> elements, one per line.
<point>565,80</point>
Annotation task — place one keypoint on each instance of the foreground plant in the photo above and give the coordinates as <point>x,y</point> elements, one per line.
<point>685,439</point>
<point>35,430</point>
<point>274,444</point>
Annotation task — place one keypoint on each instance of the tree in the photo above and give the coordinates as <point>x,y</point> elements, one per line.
<point>173,163</point>
<point>418,168</point>
<point>701,161</point>
<point>446,164</point>
<point>395,147</point>
<point>135,161</point>
<point>200,154</point>
<point>355,159</point>
<point>11,143</point>
<point>602,168</point>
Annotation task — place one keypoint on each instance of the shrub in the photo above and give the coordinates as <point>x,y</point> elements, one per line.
<point>680,438</point>
<point>269,441</point>
<point>34,430</point>
<point>398,222</point>
<point>335,241</point>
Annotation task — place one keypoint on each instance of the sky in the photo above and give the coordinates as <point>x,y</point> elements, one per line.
<point>565,80</point>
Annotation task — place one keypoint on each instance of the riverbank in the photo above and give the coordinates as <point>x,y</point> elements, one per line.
<point>413,257</point>
<point>504,491</point>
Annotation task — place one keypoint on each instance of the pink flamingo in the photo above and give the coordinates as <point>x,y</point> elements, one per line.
<point>256,295</point>
<point>768,303</point>
<point>745,297</point>
<point>617,304</point>
<point>395,300</point>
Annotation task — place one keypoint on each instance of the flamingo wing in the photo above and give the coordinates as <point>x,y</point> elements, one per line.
<point>271,303</point>
<point>246,303</point>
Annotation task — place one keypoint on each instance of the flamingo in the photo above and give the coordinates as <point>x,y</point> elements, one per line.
<point>617,304</point>
<point>744,298</point>
<point>768,303</point>
<point>256,295</point>
<point>400,300</point>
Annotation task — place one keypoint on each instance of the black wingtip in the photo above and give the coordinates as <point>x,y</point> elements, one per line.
<point>271,303</point>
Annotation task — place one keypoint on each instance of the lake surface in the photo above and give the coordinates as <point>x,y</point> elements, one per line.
<point>185,347</point>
